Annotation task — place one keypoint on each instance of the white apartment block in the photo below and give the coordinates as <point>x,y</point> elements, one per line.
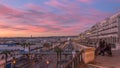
<point>108,30</point>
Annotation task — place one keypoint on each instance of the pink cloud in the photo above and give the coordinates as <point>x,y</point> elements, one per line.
<point>85,1</point>
<point>115,0</point>
<point>22,28</point>
<point>5,9</point>
<point>37,19</point>
<point>36,7</point>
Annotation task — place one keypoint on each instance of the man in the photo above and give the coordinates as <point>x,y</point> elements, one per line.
<point>102,47</point>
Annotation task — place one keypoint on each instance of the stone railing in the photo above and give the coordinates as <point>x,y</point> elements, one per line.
<point>75,62</point>
<point>86,56</point>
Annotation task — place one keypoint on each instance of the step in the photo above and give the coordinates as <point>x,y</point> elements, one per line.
<point>95,66</point>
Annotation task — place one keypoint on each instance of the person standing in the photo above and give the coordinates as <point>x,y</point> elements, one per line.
<point>102,47</point>
<point>108,49</point>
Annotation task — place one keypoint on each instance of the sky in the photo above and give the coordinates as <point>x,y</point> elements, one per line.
<point>23,18</point>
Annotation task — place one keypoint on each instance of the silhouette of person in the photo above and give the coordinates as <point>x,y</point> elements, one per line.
<point>101,47</point>
<point>108,49</point>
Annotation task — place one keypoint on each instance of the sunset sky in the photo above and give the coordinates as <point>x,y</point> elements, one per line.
<point>52,17</point>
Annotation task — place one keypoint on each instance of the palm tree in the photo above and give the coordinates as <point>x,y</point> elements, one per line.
<point>23,44</point>
<point>6,55</point>
<point>26,44</point>
<point>58,51</point>
<point>47,45</point>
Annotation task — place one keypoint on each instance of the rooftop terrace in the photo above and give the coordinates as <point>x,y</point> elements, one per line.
<point>109,62</point>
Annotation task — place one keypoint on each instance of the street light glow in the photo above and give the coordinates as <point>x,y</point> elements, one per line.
<point>47,62</point>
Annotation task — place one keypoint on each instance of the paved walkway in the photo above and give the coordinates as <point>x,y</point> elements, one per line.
<point>109,62</point>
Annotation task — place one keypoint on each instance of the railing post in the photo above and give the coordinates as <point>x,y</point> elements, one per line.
<point>73,64</point>
<point>88,55</point>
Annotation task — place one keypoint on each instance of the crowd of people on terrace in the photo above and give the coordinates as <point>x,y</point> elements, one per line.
<point>104,48</point>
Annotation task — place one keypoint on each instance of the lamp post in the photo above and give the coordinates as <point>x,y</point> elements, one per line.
<point>58,51</point>
<point>47,62</point>
<point>14,62</point>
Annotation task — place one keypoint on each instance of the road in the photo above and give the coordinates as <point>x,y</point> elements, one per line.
<point>41,63</point>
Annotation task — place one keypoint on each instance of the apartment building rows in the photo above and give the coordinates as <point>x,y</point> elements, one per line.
<point>108,30</point>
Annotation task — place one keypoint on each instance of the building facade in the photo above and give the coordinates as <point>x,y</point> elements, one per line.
<point>108,30</point>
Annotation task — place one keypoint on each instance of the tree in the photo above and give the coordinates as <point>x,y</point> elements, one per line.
<point>23,44</point>
<point>26,44</point>
<point>6,55</point>
<point>47,45</point>
<point>58,51</point>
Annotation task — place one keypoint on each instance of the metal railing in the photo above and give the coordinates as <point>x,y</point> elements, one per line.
<point>75,62</point>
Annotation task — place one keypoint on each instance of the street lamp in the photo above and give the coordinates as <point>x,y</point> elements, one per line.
<point>47,62</point>
<point>14,62</point>
<point>88,33</point>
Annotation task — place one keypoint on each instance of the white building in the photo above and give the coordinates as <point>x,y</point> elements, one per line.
<point>108,30</point>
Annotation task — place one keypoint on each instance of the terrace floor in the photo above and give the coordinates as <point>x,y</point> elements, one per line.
<point>109,62</point>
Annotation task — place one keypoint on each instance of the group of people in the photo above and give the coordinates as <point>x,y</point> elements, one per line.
<point>104,48</point>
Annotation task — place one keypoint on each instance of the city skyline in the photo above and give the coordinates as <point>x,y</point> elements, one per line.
<point>23,18</point>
